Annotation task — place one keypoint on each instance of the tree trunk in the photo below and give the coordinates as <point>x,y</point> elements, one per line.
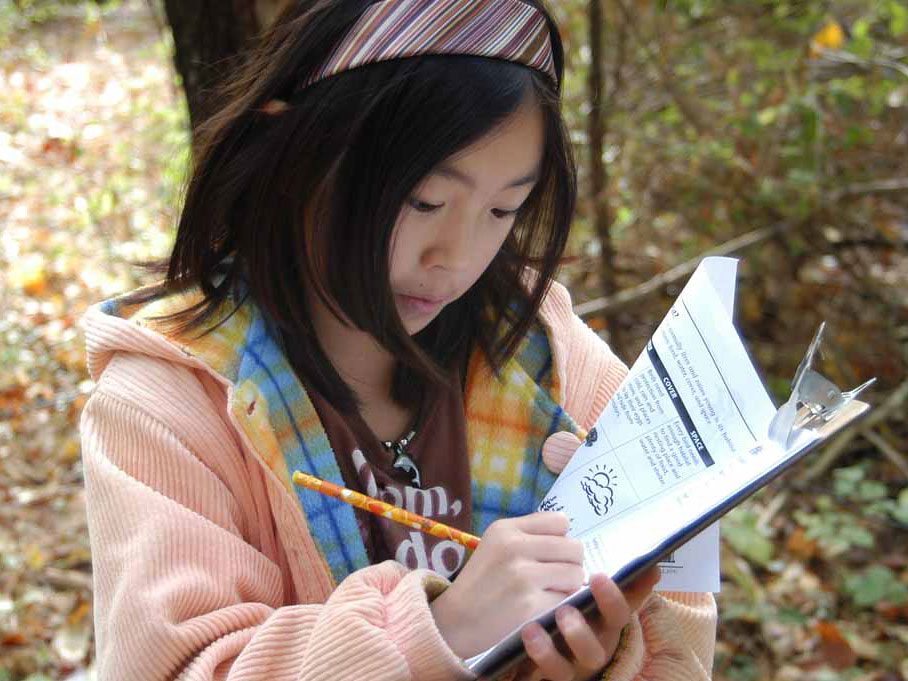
<point>596,129</point>
<point>209,37</point>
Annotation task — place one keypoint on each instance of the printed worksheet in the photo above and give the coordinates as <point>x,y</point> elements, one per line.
<point>691,404</point>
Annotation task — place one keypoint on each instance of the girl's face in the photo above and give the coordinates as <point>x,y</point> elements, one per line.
<point>460,214</point>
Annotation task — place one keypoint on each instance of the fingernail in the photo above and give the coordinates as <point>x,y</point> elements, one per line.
<point>566,614</point>
<point>533,636</point>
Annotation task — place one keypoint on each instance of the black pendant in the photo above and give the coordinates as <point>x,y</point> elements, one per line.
<point>406,464</point>
<point>402,460</point>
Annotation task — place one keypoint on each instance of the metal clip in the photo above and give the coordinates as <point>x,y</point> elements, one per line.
<point>822,398</point>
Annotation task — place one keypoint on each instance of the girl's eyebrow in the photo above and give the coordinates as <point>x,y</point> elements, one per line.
<point>449,171</point>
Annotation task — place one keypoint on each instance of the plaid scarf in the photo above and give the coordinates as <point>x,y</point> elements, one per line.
<point>508,418</point>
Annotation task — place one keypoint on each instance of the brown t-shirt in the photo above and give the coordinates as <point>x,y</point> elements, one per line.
<point>439,450</point>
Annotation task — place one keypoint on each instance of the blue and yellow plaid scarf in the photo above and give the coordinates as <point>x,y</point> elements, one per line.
<point>508,419</point>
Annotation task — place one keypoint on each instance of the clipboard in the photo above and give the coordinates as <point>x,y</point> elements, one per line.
<point>816,404</point>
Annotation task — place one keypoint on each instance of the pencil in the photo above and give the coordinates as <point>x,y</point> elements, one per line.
<point>385,510</point>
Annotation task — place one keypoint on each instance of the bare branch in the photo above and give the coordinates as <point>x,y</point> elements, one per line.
<point>66,579</point>
<point>890,452</point>
<point>837,57</point>
<point>624,298</point>
<point>895,184</point>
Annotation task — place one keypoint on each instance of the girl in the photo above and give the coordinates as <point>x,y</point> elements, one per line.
<point>362,288</point>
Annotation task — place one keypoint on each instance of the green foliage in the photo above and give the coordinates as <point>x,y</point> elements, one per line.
<point>841,523</point>
<point>40,11</point>
<point>850,483</point>
<point>898,17</point>
<point>742,668</point>
<point>17,15</point>
<point>899,508</point>
<point>870,497</point>
<point>35,11</point>
<point>740,529</point>
<point>875,584</point>
<point>835,531</point>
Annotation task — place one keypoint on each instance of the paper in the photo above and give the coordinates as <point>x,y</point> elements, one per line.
<point>691,399</point>
<point>694,566</point>
<point>684,439</point>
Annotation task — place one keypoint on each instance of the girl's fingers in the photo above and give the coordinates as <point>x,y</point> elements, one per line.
<point>587,645</point>
<point>564,578</point>
<point>543,522</point>
<point>548,549</point>
<point>610,601</point>
<point>540,649</point>
<point>581,639</point>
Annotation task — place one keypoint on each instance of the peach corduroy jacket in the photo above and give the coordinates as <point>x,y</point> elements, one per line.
<point>204,564</point>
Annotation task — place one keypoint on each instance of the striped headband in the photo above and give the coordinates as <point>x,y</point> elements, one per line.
<point>503,29</point>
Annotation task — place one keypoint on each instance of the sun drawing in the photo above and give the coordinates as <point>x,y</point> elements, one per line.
<point>599,486</point>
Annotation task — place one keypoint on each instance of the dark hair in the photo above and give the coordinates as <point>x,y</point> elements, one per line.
<point>356,145</point>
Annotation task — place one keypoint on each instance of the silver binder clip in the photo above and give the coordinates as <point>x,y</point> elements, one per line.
<point>821,397</point>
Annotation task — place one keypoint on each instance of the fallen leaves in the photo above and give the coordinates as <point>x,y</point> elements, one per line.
<point>834,648</point>
<point>70,190</point>
<point>800,546</point>
<point>29,275</point>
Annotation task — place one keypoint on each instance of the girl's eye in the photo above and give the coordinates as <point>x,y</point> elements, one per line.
<point>422,206</point>
<point>503,214</point>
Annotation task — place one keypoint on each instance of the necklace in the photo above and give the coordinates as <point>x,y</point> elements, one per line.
<point>402,459</point>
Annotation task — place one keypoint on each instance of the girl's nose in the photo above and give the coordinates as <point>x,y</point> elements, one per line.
<point>453,246</point>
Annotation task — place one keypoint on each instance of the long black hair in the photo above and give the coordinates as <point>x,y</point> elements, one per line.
<point>284,197</point>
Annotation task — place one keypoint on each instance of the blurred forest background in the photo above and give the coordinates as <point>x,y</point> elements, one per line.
<point>773,131</point>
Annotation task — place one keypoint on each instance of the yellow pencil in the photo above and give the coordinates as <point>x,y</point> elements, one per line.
<point>385,510</point>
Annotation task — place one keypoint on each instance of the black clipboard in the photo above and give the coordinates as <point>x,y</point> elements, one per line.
<point>510,651</point>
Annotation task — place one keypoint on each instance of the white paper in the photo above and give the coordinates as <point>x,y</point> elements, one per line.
<point>693,566</point>
<point>691,401</point>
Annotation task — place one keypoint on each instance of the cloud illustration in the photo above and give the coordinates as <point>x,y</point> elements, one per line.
<point>599,489</point>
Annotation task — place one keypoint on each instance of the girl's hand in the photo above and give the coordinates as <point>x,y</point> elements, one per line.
<point>592,642</point>
<point>523,567</point>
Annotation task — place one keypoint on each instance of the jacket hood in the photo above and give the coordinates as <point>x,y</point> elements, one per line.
<point>110,326</point>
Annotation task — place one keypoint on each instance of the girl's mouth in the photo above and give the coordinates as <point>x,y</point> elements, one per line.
<point>419,306</point>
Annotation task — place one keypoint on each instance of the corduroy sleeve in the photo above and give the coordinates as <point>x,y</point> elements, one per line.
<point>673,635</point>
<point>180,592</point>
